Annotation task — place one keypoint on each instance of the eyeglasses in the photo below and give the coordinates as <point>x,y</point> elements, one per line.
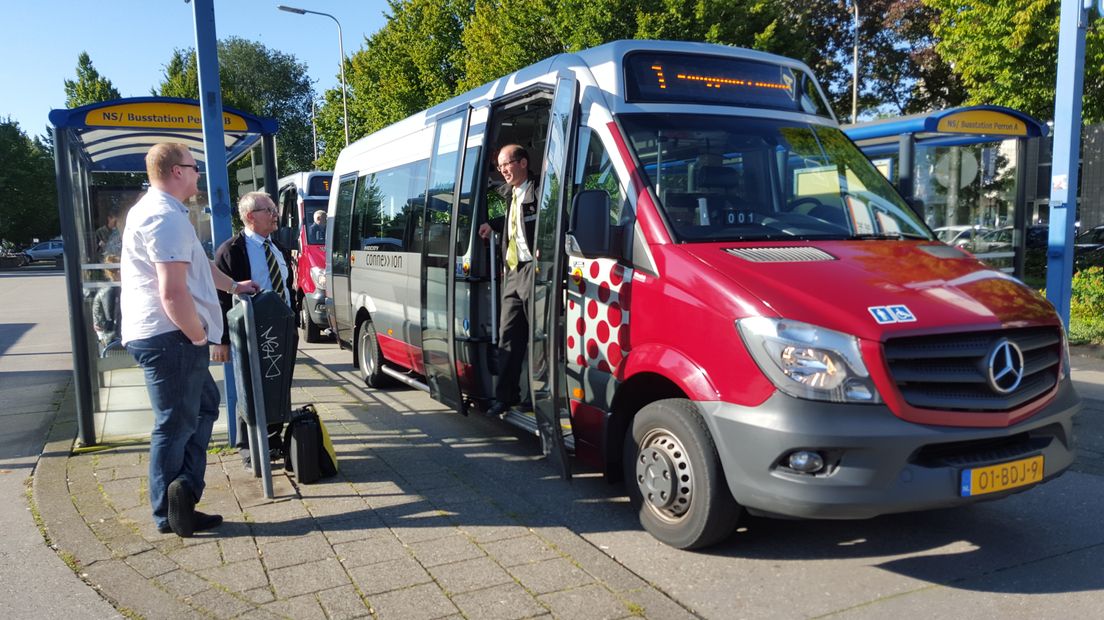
<point>506,165</point>
<point>271,210</point>
<point>192,166</point>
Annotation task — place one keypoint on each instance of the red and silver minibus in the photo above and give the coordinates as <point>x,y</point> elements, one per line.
<point>733,310</point>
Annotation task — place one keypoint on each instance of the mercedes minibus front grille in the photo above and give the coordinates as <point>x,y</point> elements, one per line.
<point>975,371</point>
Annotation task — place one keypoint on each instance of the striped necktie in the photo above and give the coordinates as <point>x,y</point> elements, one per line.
<point>274,271</point>
<point>512,233</point>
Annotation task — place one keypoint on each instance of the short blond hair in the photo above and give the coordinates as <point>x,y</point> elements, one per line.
<point>162,157</point>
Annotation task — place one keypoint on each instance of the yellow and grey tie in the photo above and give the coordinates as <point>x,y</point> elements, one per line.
<point>511,235</point>
<point>274,271</point>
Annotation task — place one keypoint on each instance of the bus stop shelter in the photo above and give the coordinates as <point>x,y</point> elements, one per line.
<point>962,168</point>
<point>112,138</point>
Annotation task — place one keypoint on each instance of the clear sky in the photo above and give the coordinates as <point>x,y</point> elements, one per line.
<point>130,42</point>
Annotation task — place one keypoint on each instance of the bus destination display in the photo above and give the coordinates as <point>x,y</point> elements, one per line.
<point>682,78</point>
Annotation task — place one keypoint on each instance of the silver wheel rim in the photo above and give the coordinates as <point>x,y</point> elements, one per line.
<point>367,354</point>
<point>664,475</point>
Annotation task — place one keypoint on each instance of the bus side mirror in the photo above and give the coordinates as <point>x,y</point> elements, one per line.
<point>589,232</point>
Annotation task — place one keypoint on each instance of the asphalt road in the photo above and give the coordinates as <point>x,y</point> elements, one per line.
<point>35,368</point>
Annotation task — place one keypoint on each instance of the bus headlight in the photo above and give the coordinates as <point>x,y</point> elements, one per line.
<point>807,361</point>
<point>318,274</point>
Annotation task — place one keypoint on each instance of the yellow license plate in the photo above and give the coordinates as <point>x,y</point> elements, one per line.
<point>994,478</point>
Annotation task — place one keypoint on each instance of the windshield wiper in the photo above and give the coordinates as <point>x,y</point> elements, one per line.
<point>889,235</point>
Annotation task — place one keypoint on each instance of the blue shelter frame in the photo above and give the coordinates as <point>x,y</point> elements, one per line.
<point>902,136</point>
<point>114,137</point>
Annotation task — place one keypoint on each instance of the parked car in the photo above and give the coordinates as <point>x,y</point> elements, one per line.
<point>1091,239</point>
<point>47,250</point>
<point>1000,240</point>
<point>960,235</point>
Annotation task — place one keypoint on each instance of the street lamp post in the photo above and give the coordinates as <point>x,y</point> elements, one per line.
<point>341,48</point>
<point>855,66</point>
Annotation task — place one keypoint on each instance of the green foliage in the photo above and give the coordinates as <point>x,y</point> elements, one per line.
<point>1007,52</point>
<point>89,87</point>
<point>260,81</point>
<point>1087,306</point>
<point>431,50</point>
<point>29,206</point>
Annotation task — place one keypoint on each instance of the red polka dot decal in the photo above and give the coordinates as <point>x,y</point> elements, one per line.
<point>597,306</point>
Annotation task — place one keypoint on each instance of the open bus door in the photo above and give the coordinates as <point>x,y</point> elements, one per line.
<point>438,258</point>
<point>547,354</point>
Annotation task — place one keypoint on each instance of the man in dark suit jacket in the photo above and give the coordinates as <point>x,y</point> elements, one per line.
<point>518,246</point>
<point>254,253</point>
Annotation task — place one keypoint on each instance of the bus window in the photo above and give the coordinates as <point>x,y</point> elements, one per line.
<point>366,213</point>
<point>596,172</point>
<point>464,212</point>
<point>341,226</point>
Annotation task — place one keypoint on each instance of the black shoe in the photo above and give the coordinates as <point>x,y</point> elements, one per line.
<point>164,529</point>
<point>181,508</point>
<point>498,409</point>
<point>203,522</point>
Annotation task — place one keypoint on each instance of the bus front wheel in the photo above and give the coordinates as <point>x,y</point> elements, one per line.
<point>674,478</point>
<point>370,356</point>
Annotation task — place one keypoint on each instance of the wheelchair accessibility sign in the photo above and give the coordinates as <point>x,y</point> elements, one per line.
<point>892,314</point>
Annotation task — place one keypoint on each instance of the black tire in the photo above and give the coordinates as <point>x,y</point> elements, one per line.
<point>308,331</point>
<point>669,437</point>
<point>370,356</point>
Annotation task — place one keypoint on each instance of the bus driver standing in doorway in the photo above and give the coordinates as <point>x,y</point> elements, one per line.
<point>516,228</point>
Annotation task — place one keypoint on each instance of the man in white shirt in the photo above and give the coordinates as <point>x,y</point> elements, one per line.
<point>172,312</point>
<point>517,285</point>
<point>253,254</point>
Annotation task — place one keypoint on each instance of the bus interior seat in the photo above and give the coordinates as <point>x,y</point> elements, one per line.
<point>682,207</point>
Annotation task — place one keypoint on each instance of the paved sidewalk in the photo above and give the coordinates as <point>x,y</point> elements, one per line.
<point>421,522</point>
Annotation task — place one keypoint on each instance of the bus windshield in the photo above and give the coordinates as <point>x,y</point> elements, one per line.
<point>728,178</point>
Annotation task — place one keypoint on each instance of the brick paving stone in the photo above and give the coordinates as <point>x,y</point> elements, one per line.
<point>348,530</point>
<point>655,604</point>
<point>220,604</point>
<point>517,551</point>
<point>237,577</point>
<point>237,549</point>
<point>550,576</point>
<point>182,583</point>
<point>304,607</point>
<point>260,596</point>
<point>260,614</point>
<point>105,529</point>
<point>343,602</point>
<point>505,602</point>
<point>151,563</point>
<point>346,506</point>
<point>116,581</point>
<point>470,575</point>
<point>593,560</point>
<point>308,548</point>
<point>198,557</point>
<point>370,551</point>
<point>309,577</point>
<point>452,548</point>
<point>586,603</point>
<point>423,602</point>
<point>128,544</point>
<point>126,493</point>
<point>390,575</point>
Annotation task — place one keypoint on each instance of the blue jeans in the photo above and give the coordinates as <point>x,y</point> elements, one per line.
<point>185,403</point>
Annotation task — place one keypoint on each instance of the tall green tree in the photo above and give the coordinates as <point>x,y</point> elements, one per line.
<point>89,87</point>
<point>260,81</point>
<point>29,208</point>
<point>413,62</point>
<point>1007,53</point>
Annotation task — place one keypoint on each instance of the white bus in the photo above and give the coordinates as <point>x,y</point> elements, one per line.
<point>732,309</point>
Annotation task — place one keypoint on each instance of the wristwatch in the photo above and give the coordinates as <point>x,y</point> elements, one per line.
<point>233,288</point>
